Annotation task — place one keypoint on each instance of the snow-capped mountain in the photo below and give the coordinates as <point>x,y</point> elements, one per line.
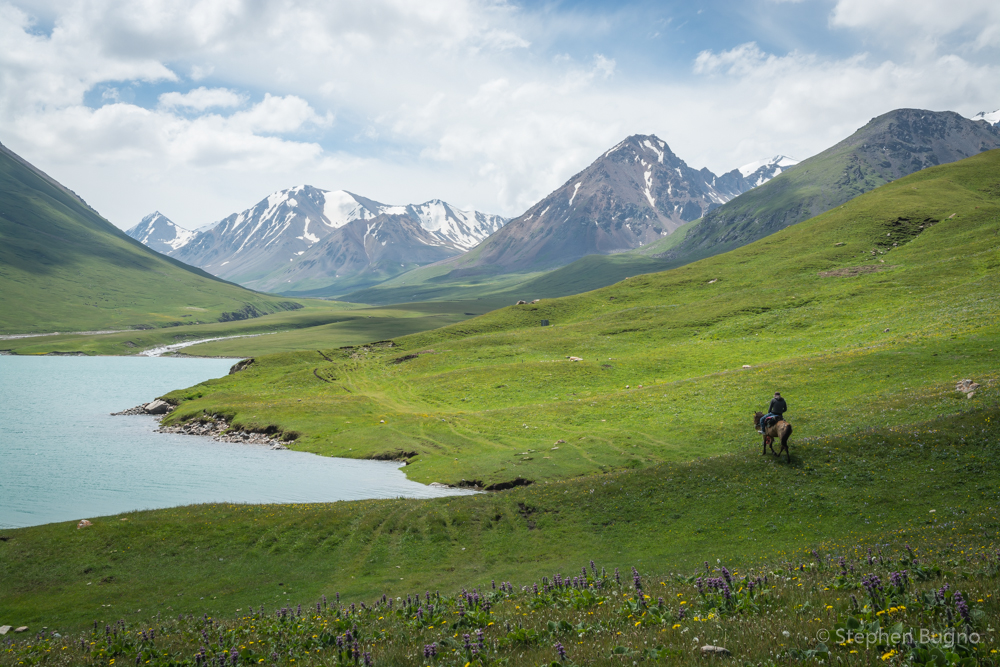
<point>993,118</point>
<point>760,172</point>
<point>633,194</point>
<point>362,253</point>
<point>158,232</point>
<point>256,246</point>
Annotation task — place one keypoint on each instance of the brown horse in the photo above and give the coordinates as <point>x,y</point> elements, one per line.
<point>780,429</point>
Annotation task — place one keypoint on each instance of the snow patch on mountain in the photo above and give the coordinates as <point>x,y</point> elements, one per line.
<point>993,117</point>
<point>781,162</point>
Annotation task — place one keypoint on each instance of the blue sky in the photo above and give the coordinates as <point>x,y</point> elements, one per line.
<point>199,108</point>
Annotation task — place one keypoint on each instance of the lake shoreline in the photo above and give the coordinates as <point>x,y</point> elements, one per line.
<point>66,458</point>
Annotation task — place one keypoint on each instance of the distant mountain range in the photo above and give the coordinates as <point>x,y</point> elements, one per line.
<point>637,198</point>
<point>305,238</point>
<point>888,147</point>
<point>636,193</point>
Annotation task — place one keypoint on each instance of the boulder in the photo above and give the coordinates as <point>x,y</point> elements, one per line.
<point>23,628</point>
<point>575,359</point>
<point>708,649</point>
<point>4,629</point>
<point>520,303</point>
<point>967,386</point>
<point>746,366</point>
<point>157,407</point>
<point>240,366</point>
<point>83,524</point>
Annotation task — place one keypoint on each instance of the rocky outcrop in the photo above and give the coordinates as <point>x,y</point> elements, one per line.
<point>241,366</point>
<point>156,407</point>
<point>219,430</point>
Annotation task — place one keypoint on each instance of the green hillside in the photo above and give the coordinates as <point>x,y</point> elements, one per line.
<point>886,148</point>
<point>65,268</point>
<point>871,311</point>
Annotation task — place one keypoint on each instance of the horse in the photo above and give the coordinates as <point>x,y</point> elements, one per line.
<point>780,429</point>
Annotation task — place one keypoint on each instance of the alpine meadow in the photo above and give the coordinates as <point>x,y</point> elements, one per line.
<point>627,513</point>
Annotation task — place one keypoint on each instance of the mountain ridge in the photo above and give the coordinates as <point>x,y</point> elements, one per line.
<point>888,147</point>
<point>635,193</point>
<point>278,242</point>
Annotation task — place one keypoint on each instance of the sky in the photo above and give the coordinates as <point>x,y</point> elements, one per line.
<point>201,108</point>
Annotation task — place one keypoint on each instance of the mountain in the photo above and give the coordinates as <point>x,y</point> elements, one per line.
<point>889,147</point>
<point>306,238</point>
<point>65,268</point>
<point>158,232</point>
<point>760,172</point>
<point>636,193</point>
<point>993,118</point>
<point>360,254</point>
<point>892,145</point>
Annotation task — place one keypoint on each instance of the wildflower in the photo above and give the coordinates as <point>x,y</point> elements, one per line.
<point>962,607</point>
<point>561,651</point>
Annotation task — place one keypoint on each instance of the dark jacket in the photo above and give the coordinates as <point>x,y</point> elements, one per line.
<point>778,406</point>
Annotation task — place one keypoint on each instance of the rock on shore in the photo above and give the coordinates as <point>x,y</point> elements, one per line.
<point>157,407</point>
<point>217,428</point>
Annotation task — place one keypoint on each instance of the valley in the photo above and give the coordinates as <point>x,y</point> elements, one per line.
<point>616,417</point>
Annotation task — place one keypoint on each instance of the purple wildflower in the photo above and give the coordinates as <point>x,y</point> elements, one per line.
<point>561,651</point>
<point>962,607</point>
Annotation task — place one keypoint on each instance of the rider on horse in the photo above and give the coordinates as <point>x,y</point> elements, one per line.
<point>775,411</point>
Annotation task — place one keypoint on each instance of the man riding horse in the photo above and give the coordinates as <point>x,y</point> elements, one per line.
<point>776,411</point>
<point>772,425</point>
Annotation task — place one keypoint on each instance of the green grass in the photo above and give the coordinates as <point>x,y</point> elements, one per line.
<point>841,491</point>
<point>810,606</point>
<point>318,324</point>
<point>65,268</point>
<point>473,398</point>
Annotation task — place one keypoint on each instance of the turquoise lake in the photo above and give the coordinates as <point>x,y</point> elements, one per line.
<point>63,457</point>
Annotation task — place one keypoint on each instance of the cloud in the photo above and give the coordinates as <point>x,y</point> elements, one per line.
<point>123,134</point>
<point>924,23</point>
<point>478,102</point>
<point>202,98</point>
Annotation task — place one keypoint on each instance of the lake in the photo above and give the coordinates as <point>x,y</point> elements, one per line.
<point>64,457</point>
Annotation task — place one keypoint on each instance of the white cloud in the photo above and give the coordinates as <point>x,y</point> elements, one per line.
<point>923,23</point>
<point>459,99</point>
<point>202,98</point>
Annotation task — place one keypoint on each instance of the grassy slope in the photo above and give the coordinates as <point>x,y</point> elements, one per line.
<point>64,268</point>
<point>843,490</point>
<point>319,324</point>
<point>862,469</point>
<point>486,399</point>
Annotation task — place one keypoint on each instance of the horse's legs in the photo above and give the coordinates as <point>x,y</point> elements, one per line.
<point>765,444</point>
